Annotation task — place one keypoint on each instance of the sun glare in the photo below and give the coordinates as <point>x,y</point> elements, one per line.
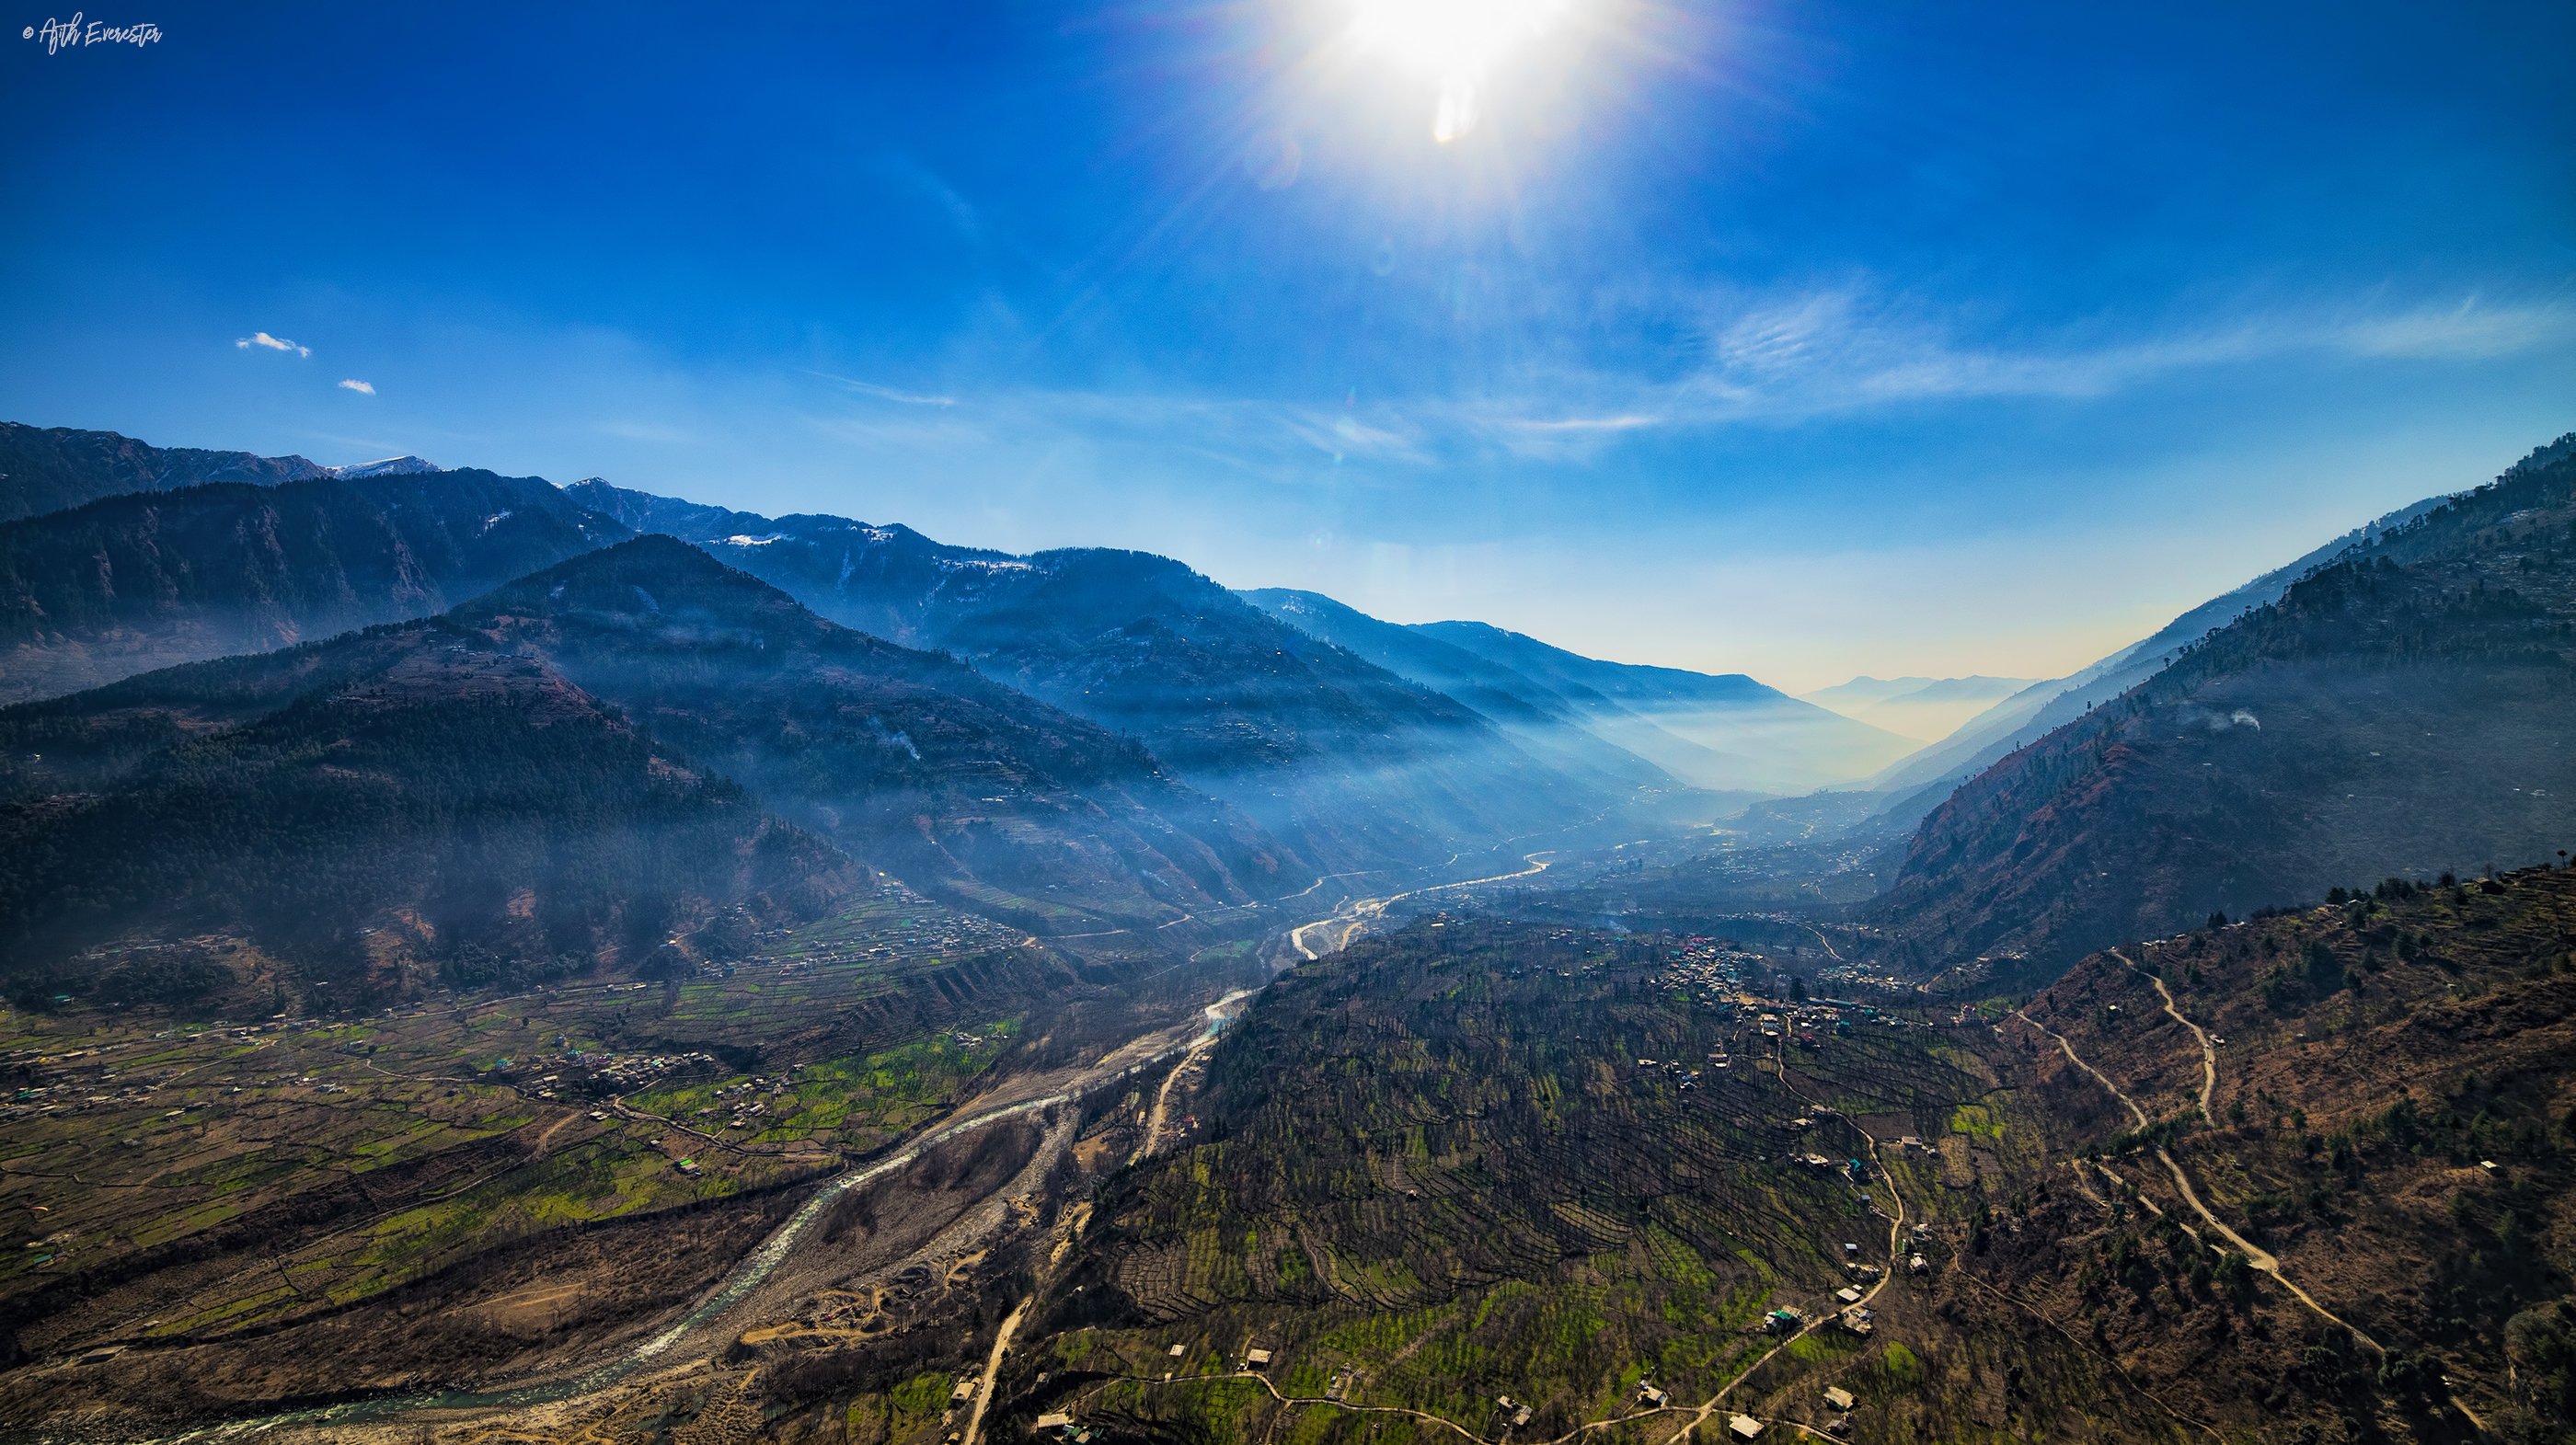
<point>1454,43</point>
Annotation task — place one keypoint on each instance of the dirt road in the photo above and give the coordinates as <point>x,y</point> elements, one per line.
<point>2208,1050</point>
<point>2254,1254</point>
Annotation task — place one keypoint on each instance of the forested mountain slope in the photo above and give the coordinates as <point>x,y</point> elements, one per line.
<point>46,469</point>
<point>2034,711</point>
<point>130,583</point>
<point>2402,710</point>
<point>403,806</point>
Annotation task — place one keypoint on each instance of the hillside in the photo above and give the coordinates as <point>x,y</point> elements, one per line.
<point>462,1190</point>
<point>1474,1168</point>
<point>1346,763</point>
<point>2402,709</point>
<point>2387,1111</point>
<point>1473,1161</point>
<point>47,469</point>
<point>400,808</point>
<point>1915,785</point>
<point>911,761</point>
<point>130,583</point>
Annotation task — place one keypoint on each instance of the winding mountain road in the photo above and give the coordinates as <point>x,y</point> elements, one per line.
<point>2208,1050</point>
<point>2254,1254</point>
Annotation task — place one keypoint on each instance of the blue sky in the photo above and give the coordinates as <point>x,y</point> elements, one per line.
<point>1801,339</point>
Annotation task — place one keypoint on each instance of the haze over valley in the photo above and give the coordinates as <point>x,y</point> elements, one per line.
<point>1323,722</point>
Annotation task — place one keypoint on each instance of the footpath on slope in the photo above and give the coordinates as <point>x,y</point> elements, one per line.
<point>2254,1255</point>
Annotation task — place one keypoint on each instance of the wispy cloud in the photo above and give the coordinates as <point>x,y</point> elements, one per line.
<point>1344,435</point>
<point>888,393</point>
<point>271,343</point>
<point>1843,350</point>
<point>1770,359</point>
<point>366,388</point>
<point>1572,424</point>
<point>2468,330</point>
<point>1847,350</point>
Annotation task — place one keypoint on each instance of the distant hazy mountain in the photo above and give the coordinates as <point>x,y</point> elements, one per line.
<point>911,761</point>
<point>1723,731</point>
<point>1605,716</point>
<point>1924,708</point>
<point>2401,710</point>
<point>1548,721</point>
<point>134,582</point>
<point>46,469</point>
<point>414,803</point>
<point>1349,764</point>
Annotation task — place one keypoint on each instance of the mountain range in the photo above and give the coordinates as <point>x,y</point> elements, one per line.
<point>613,739</point>
<point>1349,764</point>
<point>47,469</point>
<point>1092,739</point>
<point>912,761</point>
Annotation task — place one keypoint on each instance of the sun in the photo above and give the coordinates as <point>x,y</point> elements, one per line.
<point>1442,38</point>
<point>1454,43</point>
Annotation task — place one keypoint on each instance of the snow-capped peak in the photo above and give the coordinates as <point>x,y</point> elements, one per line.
<point>388,467</point>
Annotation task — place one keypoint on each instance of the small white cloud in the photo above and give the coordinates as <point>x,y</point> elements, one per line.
<point>367,388</point>
<point>273,343</point>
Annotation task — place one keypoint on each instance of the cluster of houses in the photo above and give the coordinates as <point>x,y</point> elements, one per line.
<point>587,1071</point>
<point>1855,978</point>
<point>750,1101</point>
<point>921,928</point>
<point>1837,1399</point>
<point>1708,968</point>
